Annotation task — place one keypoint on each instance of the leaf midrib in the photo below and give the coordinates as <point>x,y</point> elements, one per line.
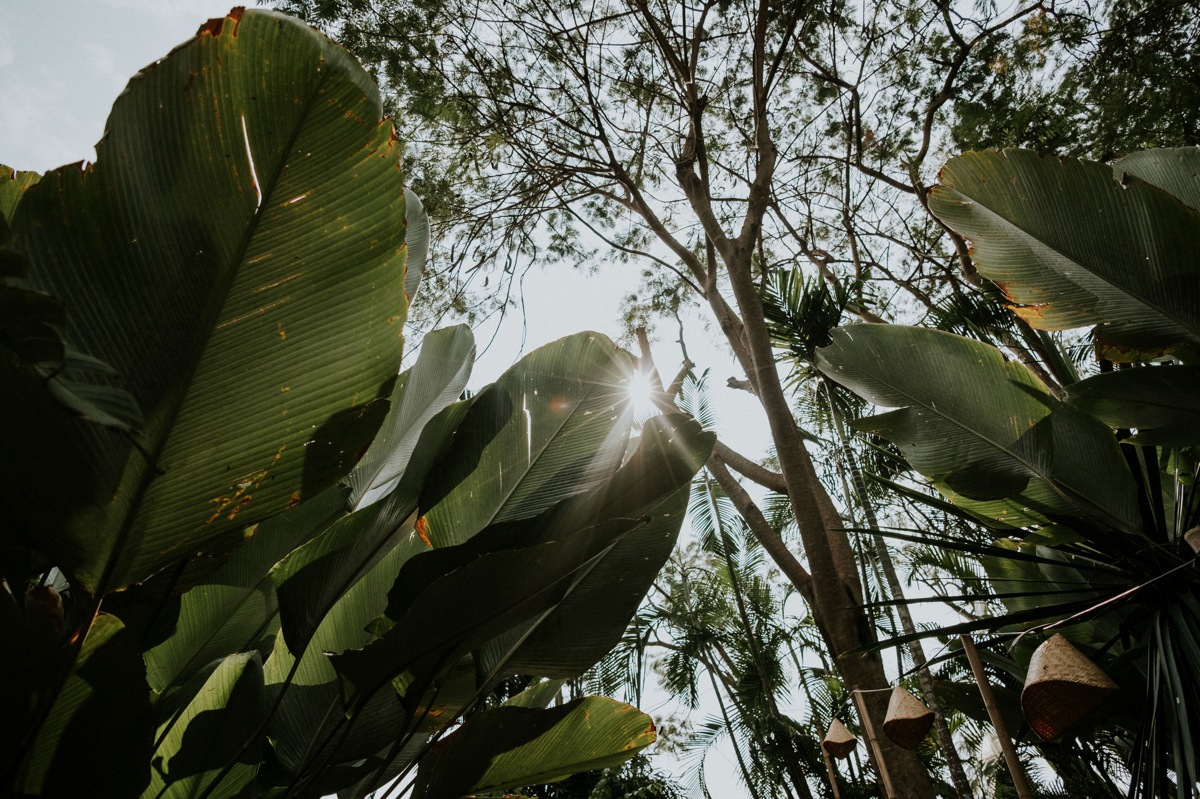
<point>1030,237</point>
<point>149,471</point>
<point>913,401</point>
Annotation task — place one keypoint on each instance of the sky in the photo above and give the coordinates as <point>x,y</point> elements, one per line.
<point>63,62</point>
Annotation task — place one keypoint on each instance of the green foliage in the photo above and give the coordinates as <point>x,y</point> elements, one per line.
<point>1124,261</point>
<point>1091,80</point>
<point>242,556</point>
<point>1101,555</point>
<point>809,129</point>
<point>514,745</point>
<point>254,272</point>
<point>981,428</point>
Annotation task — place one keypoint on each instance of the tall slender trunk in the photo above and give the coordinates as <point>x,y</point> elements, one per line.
<point>779,729</point>
<point>845,625</point>
<point>1020,780</point>
<point>842,622</point>
<point>945,741</point>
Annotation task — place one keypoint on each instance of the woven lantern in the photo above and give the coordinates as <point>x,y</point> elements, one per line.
<point>1061,688</point>
<point>839,741</point>
<point>1193,539</point>
<point>908,720</point>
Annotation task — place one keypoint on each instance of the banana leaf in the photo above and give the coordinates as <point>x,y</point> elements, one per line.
<point>434,381</point>
<point>982,428</point>
<point>216,713</point>
<point>309,726</point>
<point>449,601</point>
<point>553,425</point>
<point>236,254</point>
<point>1162,403</point>
<point>513,745</point>
<point>1072,247</point>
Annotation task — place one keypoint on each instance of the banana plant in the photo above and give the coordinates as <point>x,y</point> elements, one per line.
<point>243,553</point>
<point>1095,492</point>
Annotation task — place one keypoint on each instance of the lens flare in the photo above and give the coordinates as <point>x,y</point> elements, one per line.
<point>642,393</point>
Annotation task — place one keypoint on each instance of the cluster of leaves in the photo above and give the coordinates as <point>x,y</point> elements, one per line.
<point>241,555</point>
<point>558,126</point>
<point>1094,81</point>
<point>1089,519</point>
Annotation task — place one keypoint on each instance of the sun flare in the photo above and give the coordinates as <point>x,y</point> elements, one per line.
<point>642,393</point>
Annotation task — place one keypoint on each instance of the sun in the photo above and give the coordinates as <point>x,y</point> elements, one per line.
<point>641,391</point>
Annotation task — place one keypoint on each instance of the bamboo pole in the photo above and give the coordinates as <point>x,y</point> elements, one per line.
<point>833,781</point>
<point>872,740</point>
<point>1006,745</point>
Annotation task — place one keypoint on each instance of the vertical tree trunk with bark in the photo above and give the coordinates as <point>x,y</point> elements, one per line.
<point>834,595</point>
<point>833,589</point>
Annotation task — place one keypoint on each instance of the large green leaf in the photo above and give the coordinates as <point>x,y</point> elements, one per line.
<point>440,706</point>
<point>983,427</point>
<point>208,731</point>
<point>232,610</point>
<point>236,254</point>
<point>312,579</point>
<point>1175,171</point>
<point>451,600</point>
<point>1162,403</point>
<point>553,425</point>
<point>1073,247</point>
<point>593,616</point>
<point>310,724</point>
<point>311,711</point>
<point>317,575</point>
<point>513,745</point>
<point>100,723</point>
<point>435,380</point>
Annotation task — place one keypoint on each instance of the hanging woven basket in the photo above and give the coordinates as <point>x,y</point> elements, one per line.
<point>1193,539</point>
<point>908,720</point>
<point>1062,687</point>
<point>839,741</point>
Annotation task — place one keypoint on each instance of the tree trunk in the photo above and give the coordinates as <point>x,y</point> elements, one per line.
<point>845,626</point>
<point>945,741</point>
<point>834,603</point>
